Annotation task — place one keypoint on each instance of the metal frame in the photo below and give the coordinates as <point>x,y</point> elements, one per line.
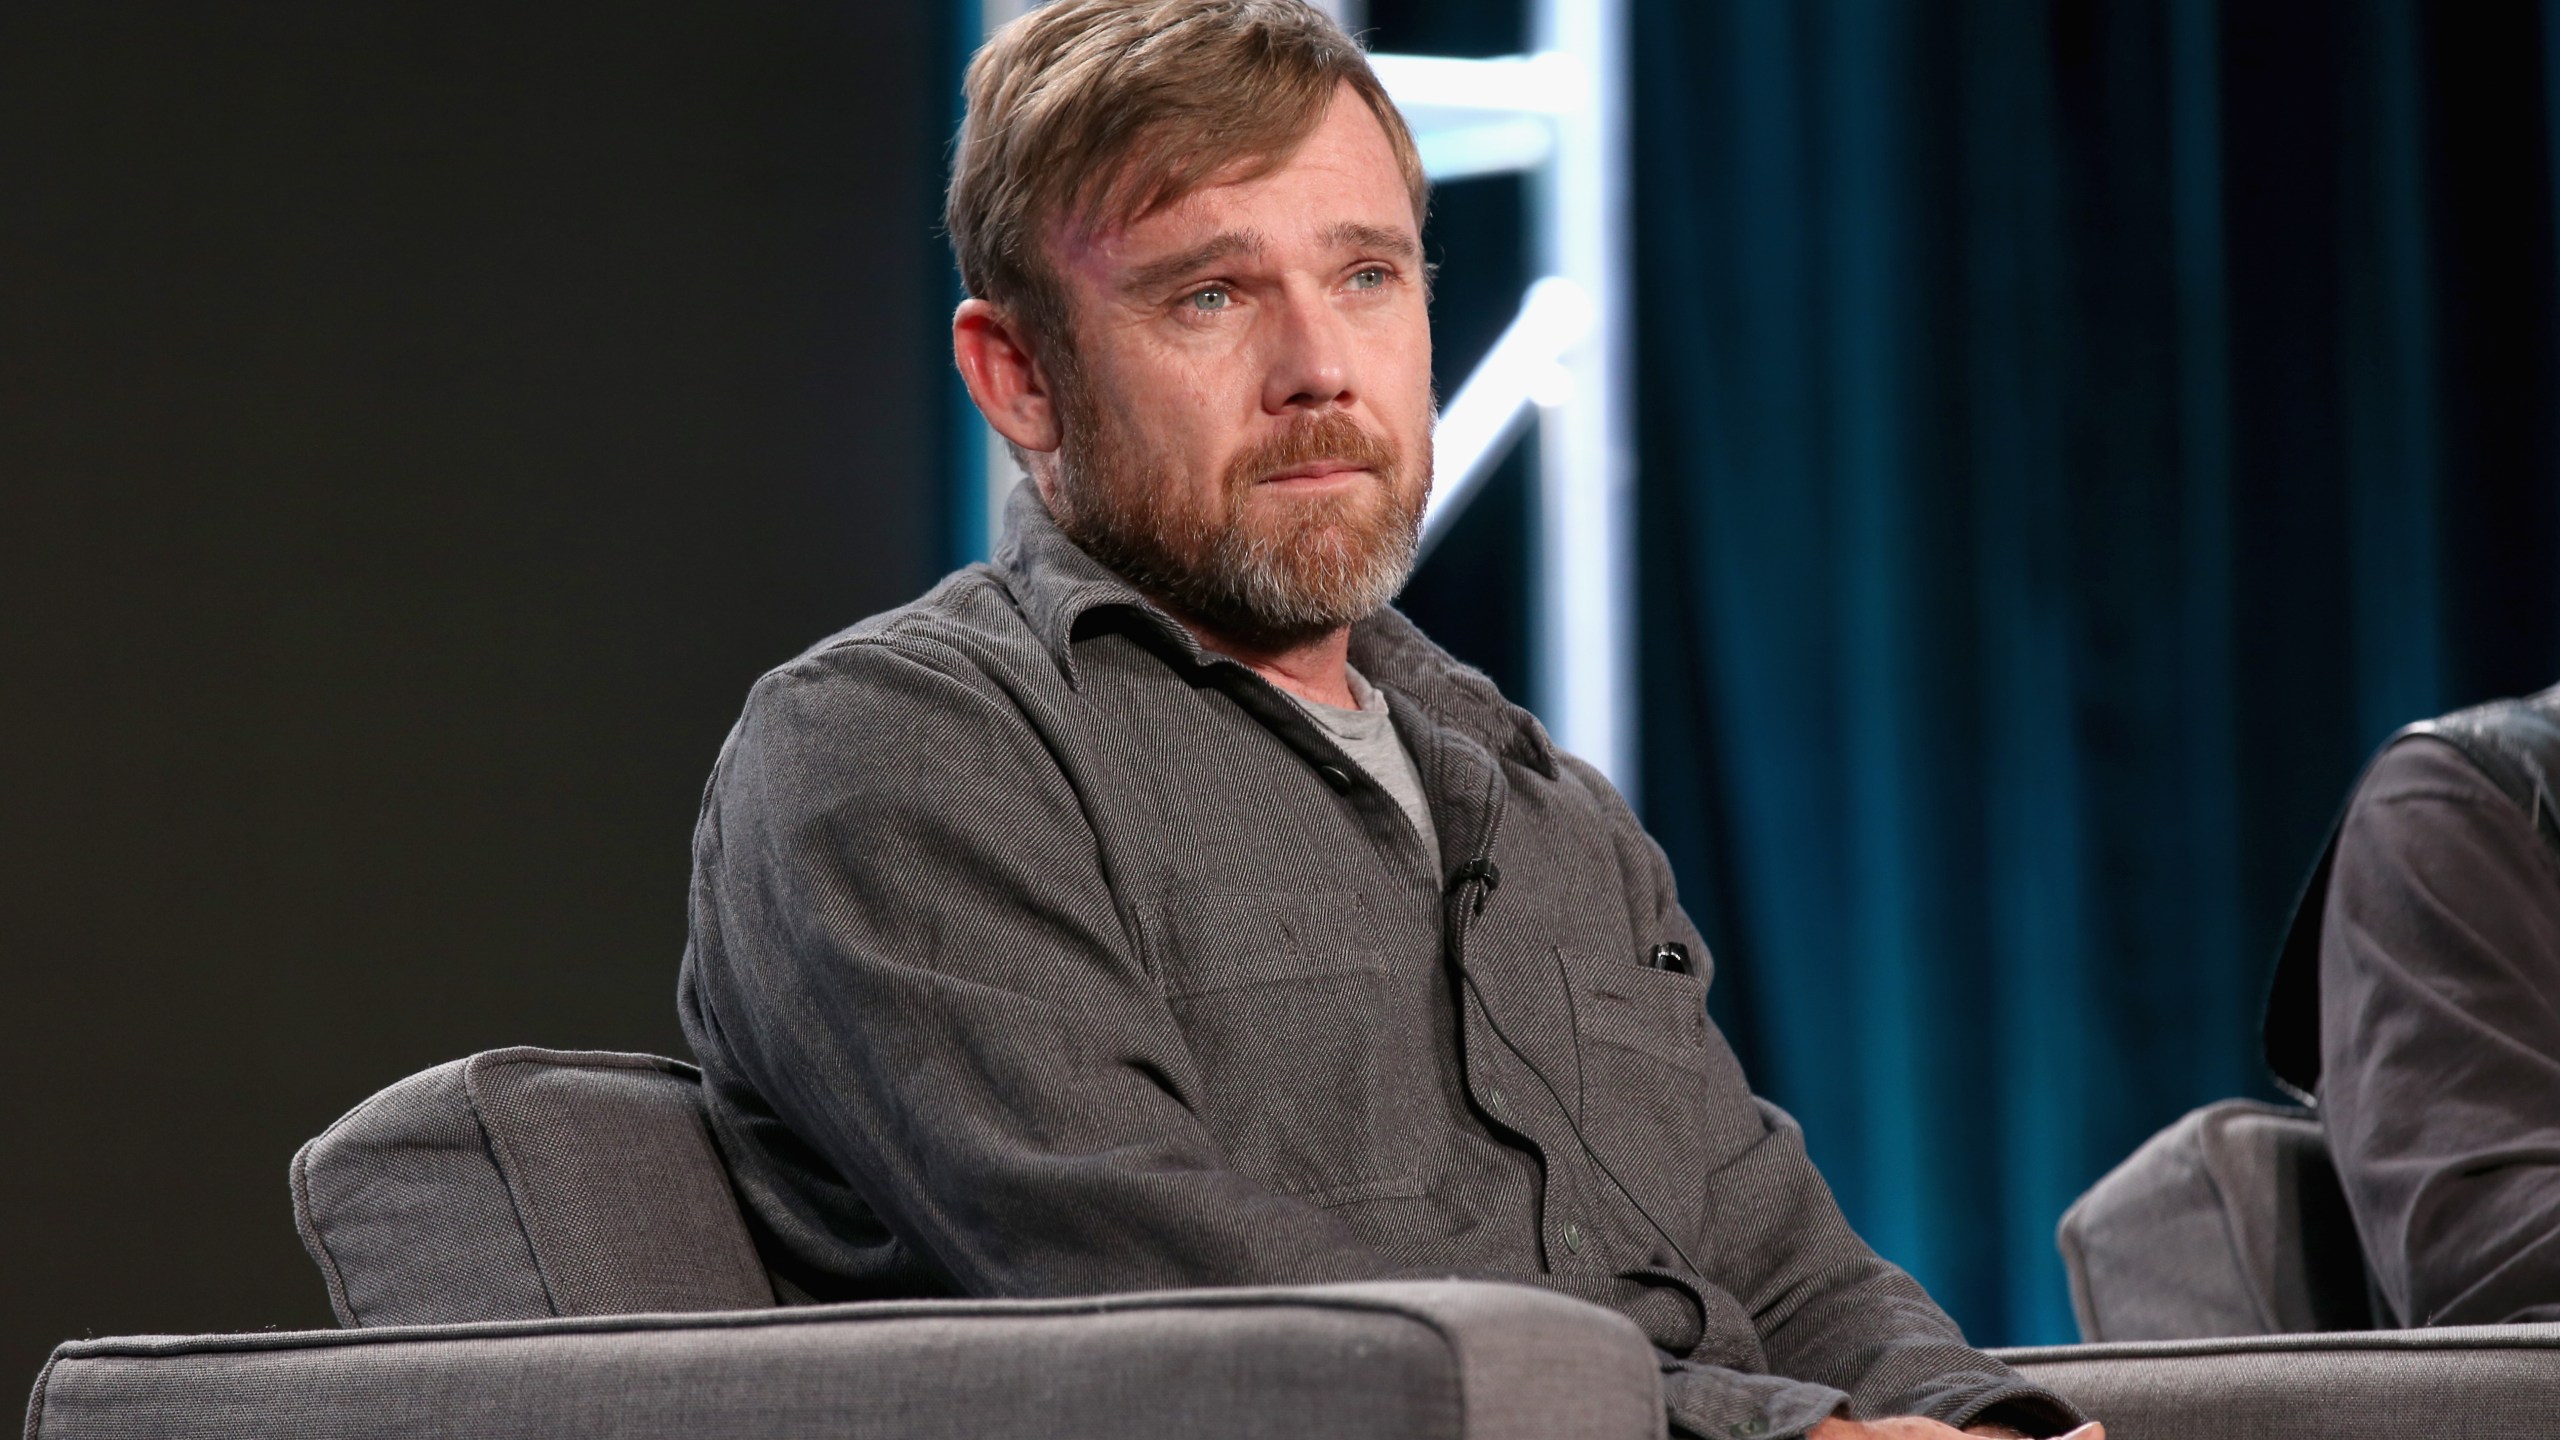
<point>1557,115</point>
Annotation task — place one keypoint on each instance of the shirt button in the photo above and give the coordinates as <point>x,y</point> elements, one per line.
<point>1573,1237</point>
<point>1751,1427</point>
<point>1337,777</point>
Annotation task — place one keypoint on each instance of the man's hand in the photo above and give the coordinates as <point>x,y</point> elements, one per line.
<point>1912,1427</point>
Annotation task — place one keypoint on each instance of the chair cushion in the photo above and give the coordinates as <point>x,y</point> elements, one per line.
<point>1426,1360</point>
<point>525,1183</point>
<point>2229,1222</point>
<point>2360,1385</point>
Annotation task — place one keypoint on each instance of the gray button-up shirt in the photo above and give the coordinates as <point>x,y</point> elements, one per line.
<point>1035,951</point>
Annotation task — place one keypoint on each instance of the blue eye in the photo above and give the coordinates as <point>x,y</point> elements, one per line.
<point>1213,298</point>
<point>1369,279</point>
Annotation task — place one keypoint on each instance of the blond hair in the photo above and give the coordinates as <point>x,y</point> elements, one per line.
<point>1098,113</point>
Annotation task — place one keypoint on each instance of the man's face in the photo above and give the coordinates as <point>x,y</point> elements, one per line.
<point>1246,421</point>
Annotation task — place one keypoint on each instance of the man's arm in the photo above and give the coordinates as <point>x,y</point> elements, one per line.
<point>2440,1041</point>
<point>1828,1308</point>
<point>905,943</point>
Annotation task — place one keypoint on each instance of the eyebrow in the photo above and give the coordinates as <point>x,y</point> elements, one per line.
<point>1157,274</point>
<point>1354,235</point>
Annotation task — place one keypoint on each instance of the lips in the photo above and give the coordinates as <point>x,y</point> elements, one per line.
<point>1313,470</point>
<point>1323,454</point>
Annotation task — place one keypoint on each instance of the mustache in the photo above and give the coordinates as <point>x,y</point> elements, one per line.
<point>1330,436</point>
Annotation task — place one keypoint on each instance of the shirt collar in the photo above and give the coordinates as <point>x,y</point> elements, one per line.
<point>1056,585</point>
<point>1396,656</point>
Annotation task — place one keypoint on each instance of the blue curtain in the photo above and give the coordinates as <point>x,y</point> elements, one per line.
<point>2072,434</point>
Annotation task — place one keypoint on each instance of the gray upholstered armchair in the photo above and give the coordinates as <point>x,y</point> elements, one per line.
<point>533,1243</point>
<point>2229,1222</point>
<point>539,1243</point>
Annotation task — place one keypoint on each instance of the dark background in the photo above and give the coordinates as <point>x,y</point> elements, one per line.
<point>418,425</point>
<point>2071,434</point>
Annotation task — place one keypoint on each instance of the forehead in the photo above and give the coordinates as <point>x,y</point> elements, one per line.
<point>1342,180</point>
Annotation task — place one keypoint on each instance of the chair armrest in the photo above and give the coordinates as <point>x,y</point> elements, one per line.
<point>1487,1362</point>
<point>2346,1385</point>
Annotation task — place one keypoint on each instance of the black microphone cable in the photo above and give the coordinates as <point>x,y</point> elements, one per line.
<point>1483,871</point>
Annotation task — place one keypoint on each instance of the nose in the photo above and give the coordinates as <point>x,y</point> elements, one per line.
<point>1311,360</point>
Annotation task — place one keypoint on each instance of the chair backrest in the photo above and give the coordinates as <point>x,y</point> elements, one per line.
<point>2229,1222</point>
<point>525,1183</point>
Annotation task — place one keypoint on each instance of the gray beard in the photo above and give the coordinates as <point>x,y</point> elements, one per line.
<point>1285,576</point>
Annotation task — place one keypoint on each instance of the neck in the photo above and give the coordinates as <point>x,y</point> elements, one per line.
<point>1317,670</point>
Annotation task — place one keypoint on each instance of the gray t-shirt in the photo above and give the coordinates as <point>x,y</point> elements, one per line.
<point>1368,736</point>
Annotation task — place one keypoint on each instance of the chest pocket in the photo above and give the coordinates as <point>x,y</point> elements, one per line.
<point>1291,1009</point>
<point>1650,1062</point>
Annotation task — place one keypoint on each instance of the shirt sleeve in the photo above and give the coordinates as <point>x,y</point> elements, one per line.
<point>906,946</point>
<point>2440,1041</point>
<point>1830,1312</point>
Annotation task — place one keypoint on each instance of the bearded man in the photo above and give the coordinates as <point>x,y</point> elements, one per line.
<point>1154,907</point>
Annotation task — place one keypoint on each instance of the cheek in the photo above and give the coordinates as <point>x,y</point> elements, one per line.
<point>1410,408</point>
<point>1198,412</point>
<point>1403,350</point>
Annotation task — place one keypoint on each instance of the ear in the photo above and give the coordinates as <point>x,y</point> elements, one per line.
<point>1004,378</point>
